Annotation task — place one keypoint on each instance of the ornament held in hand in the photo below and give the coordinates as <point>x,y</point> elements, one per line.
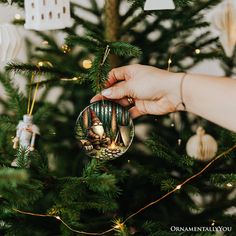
<point>224,20</point>
<point>104,130</point>
<point>26,134</point>
<point>47,14</point>
<point>202,146</point>
<point>10,42</point>
<point>159,5</point>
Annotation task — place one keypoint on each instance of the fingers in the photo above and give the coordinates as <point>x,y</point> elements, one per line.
<point>97,98</point>
<point>117,74</point>
<point>118,91</point>
<point>123,102</point>
<point>135,112</point>
<point>143,107</point>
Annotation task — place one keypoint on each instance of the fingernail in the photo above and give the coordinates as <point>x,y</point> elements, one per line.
<point>106,92</point>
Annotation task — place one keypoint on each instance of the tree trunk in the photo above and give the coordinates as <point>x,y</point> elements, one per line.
<point>112,26</point>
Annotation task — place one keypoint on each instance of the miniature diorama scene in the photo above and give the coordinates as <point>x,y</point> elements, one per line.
<point>105,130</point>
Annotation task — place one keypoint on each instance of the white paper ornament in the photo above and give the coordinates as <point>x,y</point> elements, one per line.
<point>47,14</point>
<point>105,130</point>
<point>159,5</point>
<point>10,42</point>
<point>202,146</point>
<point>224,20</point>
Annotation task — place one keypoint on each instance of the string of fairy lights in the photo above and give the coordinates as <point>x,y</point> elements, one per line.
<point>120,225</point>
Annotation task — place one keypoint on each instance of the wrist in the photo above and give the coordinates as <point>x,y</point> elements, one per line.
<point>177,91</point>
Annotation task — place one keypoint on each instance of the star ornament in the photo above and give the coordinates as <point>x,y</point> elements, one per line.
<point>159,5</point>
<point>224,21</point>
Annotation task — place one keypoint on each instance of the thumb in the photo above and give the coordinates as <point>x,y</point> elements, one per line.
<point>117,91</point>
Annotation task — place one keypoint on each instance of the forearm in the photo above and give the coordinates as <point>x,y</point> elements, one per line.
<point>213,98</point>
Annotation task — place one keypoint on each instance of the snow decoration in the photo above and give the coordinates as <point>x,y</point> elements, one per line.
<point>159,5</point>
<point>10,42</point>
<point>224,21</point>
<point>47,14</point>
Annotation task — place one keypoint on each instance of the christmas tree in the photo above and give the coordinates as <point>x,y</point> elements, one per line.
<point>55,189</point>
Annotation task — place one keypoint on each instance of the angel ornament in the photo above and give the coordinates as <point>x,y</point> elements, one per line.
<point>26,134</point>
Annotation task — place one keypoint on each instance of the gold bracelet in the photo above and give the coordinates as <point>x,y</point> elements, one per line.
<point>181,91</point>
<point>182,103</point>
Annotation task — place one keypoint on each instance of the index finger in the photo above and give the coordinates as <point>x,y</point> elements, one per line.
<point>116,75</point>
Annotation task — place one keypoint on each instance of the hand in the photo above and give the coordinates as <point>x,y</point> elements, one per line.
<point>15,142</point>
<point>154,91</point>
<point>31,148</point>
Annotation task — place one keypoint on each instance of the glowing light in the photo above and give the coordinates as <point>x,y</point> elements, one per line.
<point>65,48</point>
<point>178,187</point>
<point>197,51</point>
<point>17,16</point>
<point>58,217</point>
<point>229,185</point>
<point>72,79</point>
<point>119,225</point>
<point>44,63</point>
<point>169,61</point>
<point>40,64</point>
<point>213,223</point>
<point>172,125</point>
<point>87,64</point>
<point>112,146</point>
<point>179,141</point>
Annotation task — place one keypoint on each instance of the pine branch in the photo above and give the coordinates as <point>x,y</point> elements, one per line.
<point>28,69</point>
<point>224,180</point>
<point>16,99</point>
<point>7,123</point>
<point>87,42</point>
<point>125,49</point>
<point>99,71</point>
<point>12,177</point>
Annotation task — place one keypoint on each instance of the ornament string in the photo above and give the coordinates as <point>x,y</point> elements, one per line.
<point>120,225</point>
<point>105,56</point>
<point>30,92</point>
<point>34,98</point>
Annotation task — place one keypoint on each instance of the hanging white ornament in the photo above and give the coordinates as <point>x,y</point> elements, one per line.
<point>202,146</point>
<point>47,14</point>
<point>10,42</point>
<point>26,133</point>
<point>224,21</point>
<point>159,5</point>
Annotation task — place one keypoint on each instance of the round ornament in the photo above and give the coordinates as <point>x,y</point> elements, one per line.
<point>202,146</point>
<point>105,130</point>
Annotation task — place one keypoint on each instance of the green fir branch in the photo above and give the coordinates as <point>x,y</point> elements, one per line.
<point>28,69</point>
<point>124,49</point>
<point>16,100</point>
<point>12,177</point>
